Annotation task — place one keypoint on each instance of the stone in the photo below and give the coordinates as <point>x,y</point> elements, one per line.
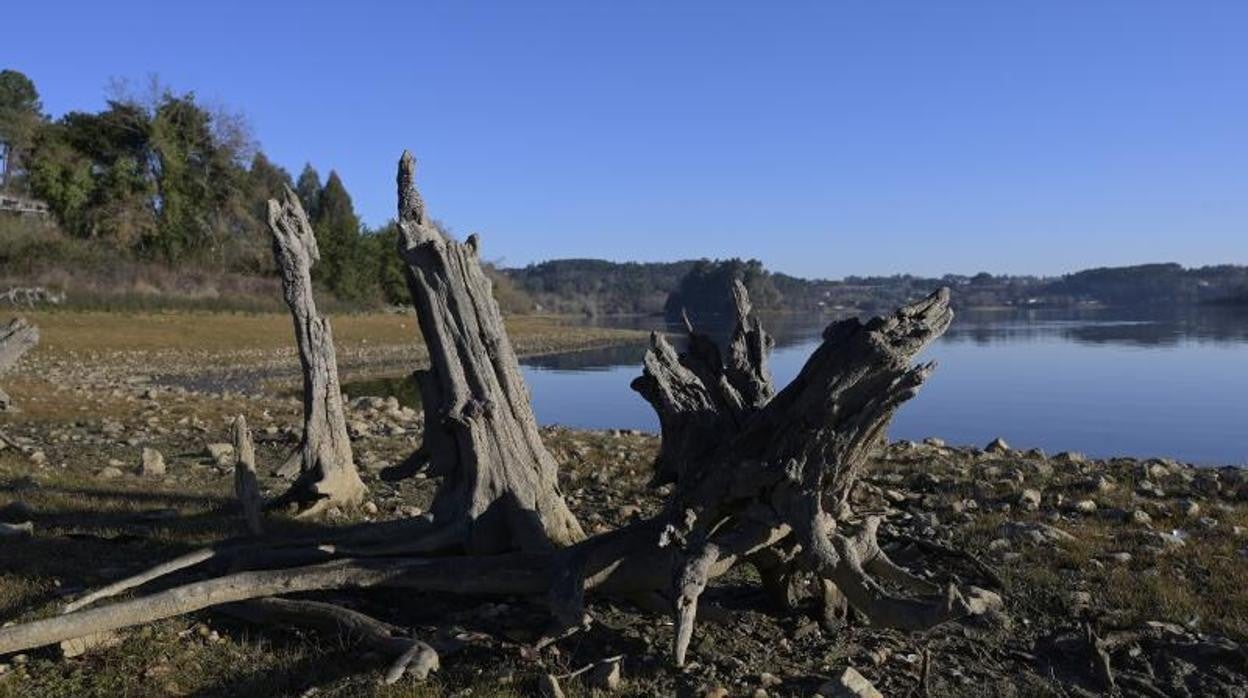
<point>1084,506</point>
<point>934,442</point>
<point>1188,508</point>
<point>1035,532</point>
<point>151,463</point>
<point>850,684</point>
<point>997,446</point>
<point>605,676</point>
<point>13,531</point>
<point>981,601</point>
<point>79,646</point>
<point>1171,539</point>
<point>769,680</point>
<point>1070,458</point>
<point>109,473</point>
<point>1141,517</point>
<point>222,453</point>
<point>1029,500</point>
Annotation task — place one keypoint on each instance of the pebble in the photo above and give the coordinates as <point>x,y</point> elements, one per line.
<point>151,463</point>
<point>850,684</point>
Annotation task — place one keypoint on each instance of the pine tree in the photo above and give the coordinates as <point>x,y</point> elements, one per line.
<point>308,188</point>
<point>344,267</point>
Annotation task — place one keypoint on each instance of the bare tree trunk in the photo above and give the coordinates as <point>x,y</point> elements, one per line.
<point>327,474</point>
<point>16,338</point>
<point>499,483</point>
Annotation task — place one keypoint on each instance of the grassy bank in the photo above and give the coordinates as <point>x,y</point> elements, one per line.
<point>212,334</point>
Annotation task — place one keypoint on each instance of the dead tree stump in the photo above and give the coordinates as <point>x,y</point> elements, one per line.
<point>327,475</point>
<point>499,483</point>
<point>16,338</point>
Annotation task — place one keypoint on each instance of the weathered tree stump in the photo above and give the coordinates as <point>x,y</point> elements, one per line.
<point>16,338</point>
<point>499,483</point>
<point>327,475</point>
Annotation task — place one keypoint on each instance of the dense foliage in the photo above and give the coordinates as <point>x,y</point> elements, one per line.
<point>706,290</point>
<point>598,287</point>
<point>163,178</point>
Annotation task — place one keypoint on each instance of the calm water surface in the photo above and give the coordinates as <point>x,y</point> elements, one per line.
<point>1102,382</point>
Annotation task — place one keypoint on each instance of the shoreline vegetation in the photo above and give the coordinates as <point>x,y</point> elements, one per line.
<point>39,256</point>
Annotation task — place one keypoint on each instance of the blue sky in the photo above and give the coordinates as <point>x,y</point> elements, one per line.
<point>825,138</point>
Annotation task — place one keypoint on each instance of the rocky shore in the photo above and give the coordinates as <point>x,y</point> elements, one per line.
<point>1122,574</point>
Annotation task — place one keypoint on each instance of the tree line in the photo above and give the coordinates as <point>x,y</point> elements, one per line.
<point>161,176</point>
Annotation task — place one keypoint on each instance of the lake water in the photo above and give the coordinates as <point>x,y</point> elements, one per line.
<point>1123,382</point>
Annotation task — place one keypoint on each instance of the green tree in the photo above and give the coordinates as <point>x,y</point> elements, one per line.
<point>344,266</point>
<point>706,291</point>
<point>200,184</point>
<point>20,117</point>
<point>93,171</point>
<point>308,189</point>
<point>383,248</point>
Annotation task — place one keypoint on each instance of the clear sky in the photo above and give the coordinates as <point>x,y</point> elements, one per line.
<point>825,138</point>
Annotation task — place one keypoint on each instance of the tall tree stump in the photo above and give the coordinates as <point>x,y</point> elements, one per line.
<point>499,483</point>
<point>327,475</point>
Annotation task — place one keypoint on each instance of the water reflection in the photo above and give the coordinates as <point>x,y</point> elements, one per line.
<point>1128,326</point>
<point>1141,382</point>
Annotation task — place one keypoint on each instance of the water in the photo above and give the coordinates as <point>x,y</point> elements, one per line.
<point>1103,382</point>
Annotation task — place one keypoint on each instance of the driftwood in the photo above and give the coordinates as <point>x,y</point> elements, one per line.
<point>758,476</point>
<point>16,338</point>
<point>327,475</point>
<point>246,485</point>
<point>31,295</point>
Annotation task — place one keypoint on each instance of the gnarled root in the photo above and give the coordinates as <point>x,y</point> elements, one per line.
<point>847,562</point>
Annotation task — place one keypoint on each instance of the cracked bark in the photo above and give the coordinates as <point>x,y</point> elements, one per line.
<point>327,475</point>
<point>499,483</point>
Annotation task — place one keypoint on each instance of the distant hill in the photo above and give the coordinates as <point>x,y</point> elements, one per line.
<point>599,287</point>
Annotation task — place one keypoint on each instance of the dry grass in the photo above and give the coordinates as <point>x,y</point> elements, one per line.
<point>229,332</point>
